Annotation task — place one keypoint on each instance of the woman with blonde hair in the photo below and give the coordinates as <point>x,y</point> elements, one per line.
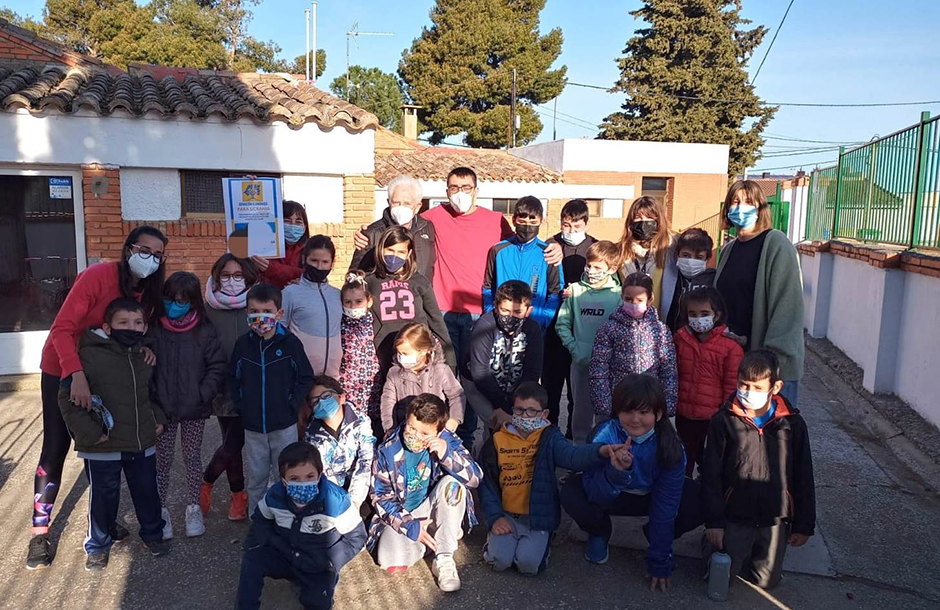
<point>649,246</point>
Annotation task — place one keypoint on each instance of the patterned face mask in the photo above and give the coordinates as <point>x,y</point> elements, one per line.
<point>412,441</point>
<point>703,324</point>
<point>302,492</point>
<point>262,323</point>
<point>528,424</point>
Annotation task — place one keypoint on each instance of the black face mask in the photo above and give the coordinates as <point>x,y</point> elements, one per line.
<point>127,337</point>
<point>525,233</point>
<point>644,230</point>
<point>315,275</point>
<point>509,324</point>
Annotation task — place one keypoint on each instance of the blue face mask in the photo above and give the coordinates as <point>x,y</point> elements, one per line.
<point>293,233</point>
<point>639,440</point>
<point>393,263</point>
<point>743,216</point>
<point>302,492</point>
<point>174,310</point>
<point>326,408</point>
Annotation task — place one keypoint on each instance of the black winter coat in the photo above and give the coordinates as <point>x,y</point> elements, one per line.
<point>422,232</point>
<point>190,370</point>
<point>757,475</point>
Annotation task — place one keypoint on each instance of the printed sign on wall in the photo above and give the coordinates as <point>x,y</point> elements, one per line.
<point>254,216</point>
<point>60,188</point>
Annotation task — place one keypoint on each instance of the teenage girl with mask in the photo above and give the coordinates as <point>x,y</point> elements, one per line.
<point>282,271</point>
<point>226,292</point>
<point>359,374</point>
<point>759,278</point>
<point>189,374</point>
<point>312,312</point>
<point>402,295</point>
<point>633,340</point>
<point>649,247</point>
<point>138,274</point>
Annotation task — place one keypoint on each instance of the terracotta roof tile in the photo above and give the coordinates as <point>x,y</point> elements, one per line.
<point>175,92</point>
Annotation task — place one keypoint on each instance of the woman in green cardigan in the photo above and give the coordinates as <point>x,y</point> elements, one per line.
<point>759,278</point>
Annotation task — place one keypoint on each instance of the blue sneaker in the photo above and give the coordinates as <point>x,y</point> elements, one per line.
<point>596,550</point>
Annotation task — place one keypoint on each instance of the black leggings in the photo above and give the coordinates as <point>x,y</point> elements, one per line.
<point>55,448</point>
<point>228,457</point>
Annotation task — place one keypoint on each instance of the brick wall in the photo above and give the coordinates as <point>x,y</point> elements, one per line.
<point>358,210</point>
<point>23,45</point>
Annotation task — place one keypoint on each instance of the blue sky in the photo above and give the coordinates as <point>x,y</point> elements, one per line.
<point>838,51</point>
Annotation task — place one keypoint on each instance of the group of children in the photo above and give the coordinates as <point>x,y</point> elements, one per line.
<point>347,402</point>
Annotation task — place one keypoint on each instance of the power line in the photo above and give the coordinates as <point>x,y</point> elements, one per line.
<point>772,41</point>
<point>768,169</point>
<point>767,136</point>
<point>570,116</point>
<point>584,127</point>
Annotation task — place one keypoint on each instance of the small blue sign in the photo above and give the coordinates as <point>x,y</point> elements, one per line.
<point>60,188</point>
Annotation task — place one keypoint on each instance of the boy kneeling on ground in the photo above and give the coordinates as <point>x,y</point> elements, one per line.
<point>420,490</point>
<point>305,530</point>
<point>520,490</point>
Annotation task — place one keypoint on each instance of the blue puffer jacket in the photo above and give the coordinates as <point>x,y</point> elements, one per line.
<point>604,483</point>
<point>544,503</point>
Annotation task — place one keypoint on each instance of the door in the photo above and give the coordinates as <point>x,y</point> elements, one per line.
<point>41,252</point>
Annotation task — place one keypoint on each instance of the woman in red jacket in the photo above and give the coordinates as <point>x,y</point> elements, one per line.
<point>138,274</point>
<point>708,368</point>
<point>282,271</point>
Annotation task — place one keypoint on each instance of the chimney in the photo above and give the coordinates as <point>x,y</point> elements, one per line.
<point>765,175</point>
<point>409,121</point>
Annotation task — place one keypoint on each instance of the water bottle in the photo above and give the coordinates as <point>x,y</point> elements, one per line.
<point>719,576</point>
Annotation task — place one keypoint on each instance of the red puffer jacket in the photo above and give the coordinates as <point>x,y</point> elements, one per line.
<point>708,371</point>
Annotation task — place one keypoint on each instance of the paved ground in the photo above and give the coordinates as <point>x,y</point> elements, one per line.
<point>879,545</point>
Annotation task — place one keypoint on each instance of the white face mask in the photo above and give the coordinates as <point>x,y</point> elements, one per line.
<point>409,361</point>
<point>574,238</point>
<point>142,267</point>
<point>703,324</point>
<point>355,312</point>
<point>461,201</point>
<point>690,267</point>
<point>753,401</point>
<point>401,214</point>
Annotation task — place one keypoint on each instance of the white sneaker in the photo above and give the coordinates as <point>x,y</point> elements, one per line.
<point>445,571</point>
<point>167,527</point>
<point>194,524</point>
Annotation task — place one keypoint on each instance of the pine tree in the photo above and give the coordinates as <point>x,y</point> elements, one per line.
<point>691,49</point>
<point>300,63</point>
<point>373,90</point>
<point>460,70</point>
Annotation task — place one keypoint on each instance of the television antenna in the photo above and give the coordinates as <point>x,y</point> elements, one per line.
<point>351,36</point>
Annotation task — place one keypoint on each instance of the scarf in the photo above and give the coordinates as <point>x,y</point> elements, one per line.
<point>218,300</point>
<point>187,322</point>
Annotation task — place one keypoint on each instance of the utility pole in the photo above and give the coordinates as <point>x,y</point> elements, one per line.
<point>512,112</point>
<point>555,119</point>
<point>313,37</point>
<point>349,36</point>
<point>307,46</point>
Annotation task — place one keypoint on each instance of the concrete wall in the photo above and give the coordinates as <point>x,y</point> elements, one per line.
<point>150,194</point>
<point>619,156</point>
<point>322,196</point>
<point>885,319</point>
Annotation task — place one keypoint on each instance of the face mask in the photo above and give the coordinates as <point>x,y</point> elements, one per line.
<point>326,408</point>
<point>509,324</point>
<point>753,401</point>
<point>574,238</point>
<point>528,424</point>
<point>315,274</point>
<point>262,323</point>
<point>355,312</point>
<point>174,310</point>
<point>690,267</point>
<point>634,310</point>
<point>303,492</point>
<point>526,233</point>
<point>743,216</point>
<point>409,361</point>
<point>703,324</point>
<point>401,214</point>
<point>127,337</point>
<point>595,277</point>
<point>393,263</point>
<point>461,201</point>
<point>142,267</point>
<point>412,442</point>
<point>293,233</point>
<point>233,286</point>
<point>638,440</point>
<point>644,230</point>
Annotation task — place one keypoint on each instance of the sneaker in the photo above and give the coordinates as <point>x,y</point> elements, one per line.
<point>396,569</point>
<point>167,526</point>
<point>238,507</point>
<point>194,524</point>
<point>119,532</point>
<point>596,550</point>
<point>158,548</point>
<point>205,497</point>
<point>40,552</point>
<point>445,571</point>
<point>97,562</point>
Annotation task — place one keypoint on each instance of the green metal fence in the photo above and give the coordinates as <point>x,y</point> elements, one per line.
<point>884,192</point>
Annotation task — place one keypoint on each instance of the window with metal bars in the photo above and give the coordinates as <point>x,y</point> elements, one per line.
<point>202,190</point>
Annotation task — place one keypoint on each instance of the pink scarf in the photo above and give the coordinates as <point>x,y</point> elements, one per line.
<point>216,299</point>
<point>187,322</point>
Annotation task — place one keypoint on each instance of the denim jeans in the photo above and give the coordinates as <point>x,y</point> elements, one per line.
<point>791,391</point>
<point>459,326</point>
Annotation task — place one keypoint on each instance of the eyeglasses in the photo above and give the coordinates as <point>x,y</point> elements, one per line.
<point>145,253</point>
<point>463,189</point>
<point>314,400</point>
<point>530,412</point>
<point>234,276</point>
